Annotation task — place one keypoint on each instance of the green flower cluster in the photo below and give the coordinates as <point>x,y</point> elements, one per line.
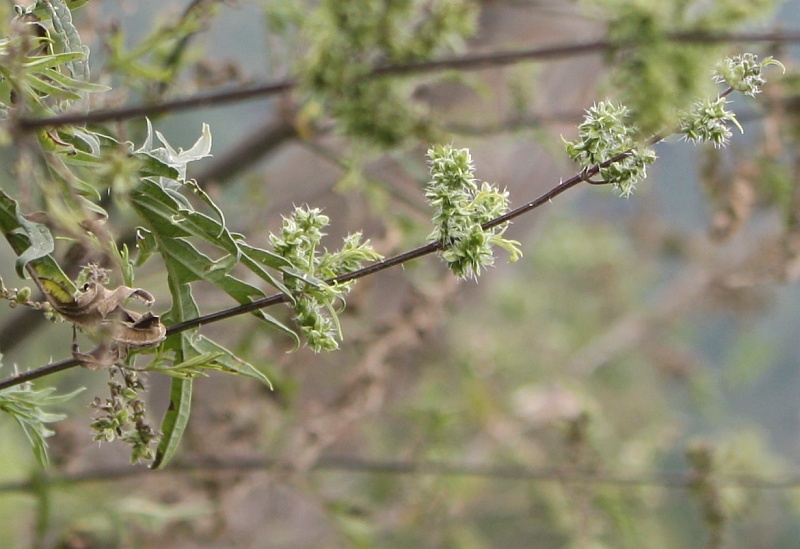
<point>743,72</point>
<point>604,135</point>
<point>461,209</point>
<point>308,278</point>
<point>123,416</point>
<point>708,122</point>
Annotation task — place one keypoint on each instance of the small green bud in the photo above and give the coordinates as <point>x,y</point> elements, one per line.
<point>299,243</point>
<point>708,122</point>
<point>743,72</point>
<point>23,295</point>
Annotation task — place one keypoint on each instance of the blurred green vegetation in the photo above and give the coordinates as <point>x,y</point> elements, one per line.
<point>630,382</point>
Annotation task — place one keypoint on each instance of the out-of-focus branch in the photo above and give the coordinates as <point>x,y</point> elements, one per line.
<point>360,465</point>
<point>632,329</point>
<point>473,61</point>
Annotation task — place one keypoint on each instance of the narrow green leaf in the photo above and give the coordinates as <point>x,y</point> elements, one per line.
<point>69,83</point>
<point>82,188</point>
<point>42,85</point>
<point>229,360</point>
<point>84,160</point>
<point>126,265</point>
<point>40,63</point>
<point>176,418</point>
<point>189,369</point>
<point>264,257</point>
<point>162,209</point>
<point>175,421</point>
<point>195,188</point>
<point>170,219</point>
<point>192,265</point>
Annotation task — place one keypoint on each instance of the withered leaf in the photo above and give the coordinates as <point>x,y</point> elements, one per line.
<point>101,358</point>
<point>101,313</point>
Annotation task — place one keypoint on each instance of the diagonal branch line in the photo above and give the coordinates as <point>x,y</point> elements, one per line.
<point>276,299</point>
<point>583,176</point>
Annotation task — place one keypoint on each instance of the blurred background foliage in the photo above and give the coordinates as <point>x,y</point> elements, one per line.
<point>631,382</point>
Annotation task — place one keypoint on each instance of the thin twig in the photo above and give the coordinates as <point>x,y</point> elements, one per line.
<point>373,268</point>
<point>474,61</point>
